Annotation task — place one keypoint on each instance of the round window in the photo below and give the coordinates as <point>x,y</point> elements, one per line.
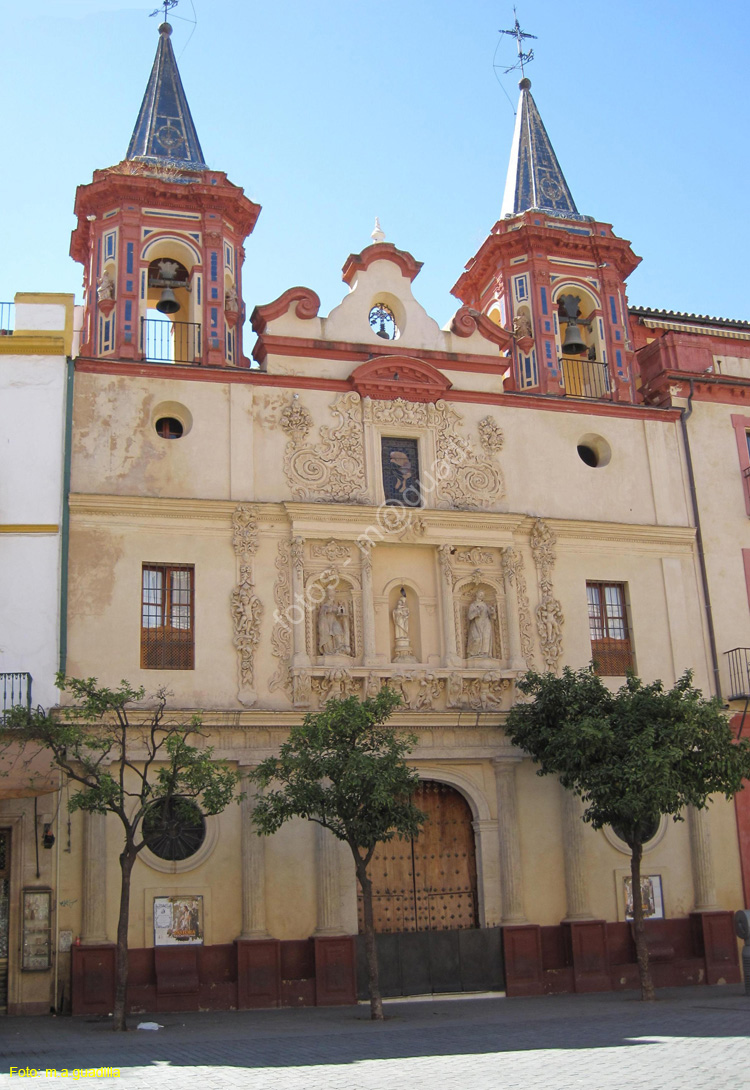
<point>383,322</point>
<point>594,451</point>
<point>169,427</point>
<point>648,828</point>
<point>174,829</point>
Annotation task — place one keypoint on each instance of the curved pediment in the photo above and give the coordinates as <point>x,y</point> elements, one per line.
<point>389,377</point>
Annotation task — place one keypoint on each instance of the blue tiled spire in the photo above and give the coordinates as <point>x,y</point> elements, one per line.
<point>164,130</point>
<point>535,179</point>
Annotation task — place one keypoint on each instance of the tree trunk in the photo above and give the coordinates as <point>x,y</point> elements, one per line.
<point>376,1002</point>
<point>121,963</point>
<point>639,932</point>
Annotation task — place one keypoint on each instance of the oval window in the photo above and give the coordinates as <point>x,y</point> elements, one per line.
<point>174,829</point>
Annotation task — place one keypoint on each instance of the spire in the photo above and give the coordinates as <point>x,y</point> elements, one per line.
<point>534,179</point>
<point>164,130</point>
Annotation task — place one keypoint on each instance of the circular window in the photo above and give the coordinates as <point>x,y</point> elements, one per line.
<point>594,451</point>
<point>383,322</point>
<point>653,834</point>
<point>174,829</point>
<point>169,427</point>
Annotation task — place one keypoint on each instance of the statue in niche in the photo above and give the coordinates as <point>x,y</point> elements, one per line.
<point>231,301</point>
<point>400,615</point>
<point>480,636</point>
<point>105,289</point>
<point>522,326</point>
<point>333,626</point>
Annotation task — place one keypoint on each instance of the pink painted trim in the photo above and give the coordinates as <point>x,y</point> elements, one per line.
<point>380,251</point>
<point>308,305</point>
<point>741,425</point>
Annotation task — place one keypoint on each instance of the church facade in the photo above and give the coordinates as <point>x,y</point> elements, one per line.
<point>364,498</point>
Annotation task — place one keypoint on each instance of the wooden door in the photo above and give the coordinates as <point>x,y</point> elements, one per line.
<point>4,916</point>
<point>429,883</point>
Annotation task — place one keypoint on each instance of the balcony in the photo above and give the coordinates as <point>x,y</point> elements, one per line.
<point>15,690</point>
<point>738,661</point>
<point>7,319</point>
<point>585,378</point>
<point>163,341</point>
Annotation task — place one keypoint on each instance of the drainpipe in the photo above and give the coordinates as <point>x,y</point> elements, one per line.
<point>684,417</point>
<point>65,525</point>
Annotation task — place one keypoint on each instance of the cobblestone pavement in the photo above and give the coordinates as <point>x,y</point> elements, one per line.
<point>690,1039</point>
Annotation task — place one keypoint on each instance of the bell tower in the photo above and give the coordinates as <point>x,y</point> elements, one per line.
<point>160,236</point>
<point>554,277</point>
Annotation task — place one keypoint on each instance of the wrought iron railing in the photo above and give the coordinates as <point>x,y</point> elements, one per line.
<point>163,341</point>
<point>738,661</point>
<point>585,378</point>
<point>7,319</point>
<point>15,691</point>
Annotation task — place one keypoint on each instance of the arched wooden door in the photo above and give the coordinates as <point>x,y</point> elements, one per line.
<point>429,883</point>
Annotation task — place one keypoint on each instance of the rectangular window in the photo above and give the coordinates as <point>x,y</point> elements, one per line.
<point>608,626</point>
<point>167,618</point>
<point>400,460</point>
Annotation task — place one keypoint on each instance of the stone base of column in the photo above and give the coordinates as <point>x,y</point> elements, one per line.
<point>258,973</point>
<point>588,944</point>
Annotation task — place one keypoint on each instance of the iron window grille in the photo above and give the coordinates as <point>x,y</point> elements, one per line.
<point>167,618</point>
<point>611,648</point>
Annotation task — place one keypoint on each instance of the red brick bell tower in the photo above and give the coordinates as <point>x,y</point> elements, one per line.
<point>160,237</point>
<point>555,277</point>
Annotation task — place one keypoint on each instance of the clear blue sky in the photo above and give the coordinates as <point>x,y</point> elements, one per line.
<point>332,113</point>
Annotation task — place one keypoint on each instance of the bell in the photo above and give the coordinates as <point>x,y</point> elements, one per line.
<point>573,343</point>
<point>168,304</point>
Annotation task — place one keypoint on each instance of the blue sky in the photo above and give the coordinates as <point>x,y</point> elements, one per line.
<point>329,114</point>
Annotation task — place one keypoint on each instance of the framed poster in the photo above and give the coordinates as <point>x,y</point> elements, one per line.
<point>178,920</point>
<point>651,895</point>
<point>37,930</point>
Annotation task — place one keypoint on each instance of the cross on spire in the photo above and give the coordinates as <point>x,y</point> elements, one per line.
<point>520,36</point>
<point>167,5</point>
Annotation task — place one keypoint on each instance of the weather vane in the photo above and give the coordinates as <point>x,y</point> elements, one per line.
<point>169,4</point>
<point>519,35</point>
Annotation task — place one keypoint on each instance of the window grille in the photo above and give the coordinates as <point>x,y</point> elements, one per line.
<point>167,615</point>
<point>608,625</point>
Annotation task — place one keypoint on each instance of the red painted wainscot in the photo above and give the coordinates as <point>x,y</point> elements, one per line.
<point>595,956</point>
<point>240,975</point>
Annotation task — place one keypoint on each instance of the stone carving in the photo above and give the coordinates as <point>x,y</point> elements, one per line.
<point>445,553</point>
<point>514,571</point>
<point>400,615</point>
<point>298,555</point>
<point>333,469</point>
<point>296,422</point>
<point>365,547</point>
<point>335,684</point>
<point>466,481</point>
<point>485,693</point>
<point>549,620</point>
<point>549,614</point>
<point>490,436</point>
<point>522,326</point>
<point>301,689</point>
<point>373,685</point>
<point>474,556</point>
<point>231,301</point>
<point>454,691</point>
<point>246,606</point>
<point>267,409</point>
<point>396,412</point>
<point>430,688</point>
<point>105,289</point>
<point>398,683</point>
<point>332,551</point>
<point>281,636</point>
<point>334,635</point>
<point>480,635</point>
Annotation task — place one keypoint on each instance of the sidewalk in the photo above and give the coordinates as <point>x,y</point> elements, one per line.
<point>690,1038</point>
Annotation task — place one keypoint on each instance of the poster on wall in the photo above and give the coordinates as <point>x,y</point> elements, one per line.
<point>651,895</point>
<point>178,920</point>
<point>36,929</point>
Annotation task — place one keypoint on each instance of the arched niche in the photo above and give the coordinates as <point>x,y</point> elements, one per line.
<point>481,626</point>
<point>398,651</point>
<point>334,618</point>
<point>188,294</point>
<point>589,318</point>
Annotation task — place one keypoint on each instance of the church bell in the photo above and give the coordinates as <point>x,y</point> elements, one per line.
<point>168,303</point>
<point>573,343</point>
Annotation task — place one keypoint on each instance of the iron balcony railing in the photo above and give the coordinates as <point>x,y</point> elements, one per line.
<point>7,319</point>
<point>585,378</point>
<point>163,341</point>
<point>738,661</point>
<point>15,690</point>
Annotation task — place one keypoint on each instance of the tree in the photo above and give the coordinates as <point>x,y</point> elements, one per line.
<point>346,771</point>
<point>631,756</point>
<point>134,770</point>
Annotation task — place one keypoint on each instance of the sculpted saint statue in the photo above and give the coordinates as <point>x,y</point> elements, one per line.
<point>479,638</point>
<point>401,618</point>
<point>333,626</point>
<point>106,287</point>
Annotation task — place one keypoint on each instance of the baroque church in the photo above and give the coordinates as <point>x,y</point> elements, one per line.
<point>264,511</point>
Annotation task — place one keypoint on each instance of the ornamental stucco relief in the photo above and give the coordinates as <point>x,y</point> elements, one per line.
<point>246,606</point>
<point>334,468</point>
<point>281,636</point>
<point>549,614</point>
